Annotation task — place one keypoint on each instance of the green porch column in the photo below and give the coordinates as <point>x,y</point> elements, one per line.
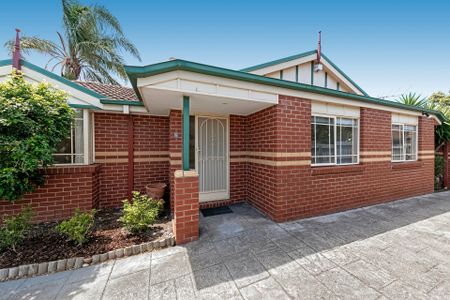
<point>185,133</point>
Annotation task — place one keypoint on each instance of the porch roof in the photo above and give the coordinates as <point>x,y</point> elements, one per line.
<point>135,72</point>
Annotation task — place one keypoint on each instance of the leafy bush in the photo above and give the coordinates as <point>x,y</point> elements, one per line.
<point>34,119</point>
<point>140,213</point>
<point>78,227</point>
<point>14,229</point>
<point>439,164</point>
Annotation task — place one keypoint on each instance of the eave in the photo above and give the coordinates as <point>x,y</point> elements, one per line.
<point>135,72</point>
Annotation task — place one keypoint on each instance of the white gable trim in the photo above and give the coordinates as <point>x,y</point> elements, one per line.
<point>303,60</point>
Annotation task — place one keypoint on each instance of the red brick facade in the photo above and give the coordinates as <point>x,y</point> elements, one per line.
<point>288,192</point>
<point>269,165</point>
<point>186,206</point>
<point>66,189</point>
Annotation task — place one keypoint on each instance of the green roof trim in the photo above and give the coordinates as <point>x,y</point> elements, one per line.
<point>297,56</point>
<point>135,72</point>
<point>84,106</point>
<point>5,62</point>
<point>343,74</point>
<point>278,61</point>
<point>74,85</point>
<point>121,102</point>
<point>61,79</point>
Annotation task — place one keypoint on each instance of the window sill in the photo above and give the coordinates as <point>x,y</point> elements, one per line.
<point>72,169</point>
<point>404,165</point>
<point>317,170</point>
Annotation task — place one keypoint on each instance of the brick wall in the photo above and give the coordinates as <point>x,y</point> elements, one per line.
<point>66,189</point>
<point>175,138</point>
<point>150,144</point>
<point>186,206</point>
<point>302,190</point>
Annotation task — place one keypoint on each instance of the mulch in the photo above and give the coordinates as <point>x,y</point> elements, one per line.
<point>43,243</point>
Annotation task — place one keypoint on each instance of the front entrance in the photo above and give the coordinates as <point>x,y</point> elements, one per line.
<point>212,157</point>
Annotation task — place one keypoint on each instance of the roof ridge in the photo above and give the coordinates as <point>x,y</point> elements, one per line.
<point>300,55</point>
<point>277,61</point>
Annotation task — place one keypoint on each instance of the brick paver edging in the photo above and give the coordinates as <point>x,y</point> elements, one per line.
<point>80,262</point>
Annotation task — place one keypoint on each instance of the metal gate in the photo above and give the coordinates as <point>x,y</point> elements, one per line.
<point>212,158</point>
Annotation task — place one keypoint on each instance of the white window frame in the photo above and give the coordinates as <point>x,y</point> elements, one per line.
<point>86,142</point>
<point>403,134</point>
<point>335,117</point>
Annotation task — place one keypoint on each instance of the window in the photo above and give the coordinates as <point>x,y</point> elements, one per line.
<point>72,150</point>
<point>404,142</point>
<point>334,140</point>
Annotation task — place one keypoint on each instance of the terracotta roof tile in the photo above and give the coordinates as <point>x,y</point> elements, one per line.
<point>114,92</point>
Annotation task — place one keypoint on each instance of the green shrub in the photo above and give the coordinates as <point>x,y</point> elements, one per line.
<point>34,119</point>
<point>140,213</point>
<point>78,227</point>
<point>14,229</point>
<point>439,164</point>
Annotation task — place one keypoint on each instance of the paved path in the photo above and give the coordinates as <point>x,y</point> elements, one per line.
<point>396,251</point>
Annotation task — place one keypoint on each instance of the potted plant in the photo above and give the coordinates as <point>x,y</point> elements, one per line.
<point>156,190</point>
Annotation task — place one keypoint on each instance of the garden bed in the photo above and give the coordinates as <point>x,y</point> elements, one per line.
<point>43,243</point>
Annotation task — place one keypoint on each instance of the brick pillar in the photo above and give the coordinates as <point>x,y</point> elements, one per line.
<point>175,146</point>
<point>186,206</point>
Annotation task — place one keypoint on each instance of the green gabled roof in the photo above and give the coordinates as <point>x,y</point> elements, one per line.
<point>5,62</point>
<point>278,61</point>
<point>135,72</point>
<point>102,98</point>
<point>297,56</point>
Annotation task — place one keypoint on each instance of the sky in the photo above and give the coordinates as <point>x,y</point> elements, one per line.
<point>386,47</point>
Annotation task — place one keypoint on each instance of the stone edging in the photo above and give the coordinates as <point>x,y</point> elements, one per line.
<point>80,262</point>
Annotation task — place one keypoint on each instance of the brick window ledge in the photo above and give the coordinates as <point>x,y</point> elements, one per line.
<point>406,165</point>
<point>72,169</point>
<point>336,169</point>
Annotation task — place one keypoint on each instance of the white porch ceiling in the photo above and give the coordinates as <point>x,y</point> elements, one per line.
<point>209,95</point>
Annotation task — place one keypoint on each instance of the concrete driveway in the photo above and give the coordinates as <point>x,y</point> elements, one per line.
<point>399,250</point>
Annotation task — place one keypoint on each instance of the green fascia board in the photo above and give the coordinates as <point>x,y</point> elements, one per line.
<point>292,57</point>
<point>121,102</point>
<point>84,106</point>
<point>278,61</point>
<point>5,62</point>
<point>135,72</point>
<point>61,79</point>
<point>345,75</point>
<point>74,85</point>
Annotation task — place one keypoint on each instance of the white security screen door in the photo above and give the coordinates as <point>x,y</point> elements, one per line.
<point>212,158</point>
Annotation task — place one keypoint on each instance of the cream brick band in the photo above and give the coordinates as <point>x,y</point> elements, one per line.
<point>139,156</point>
<point>271,154</point>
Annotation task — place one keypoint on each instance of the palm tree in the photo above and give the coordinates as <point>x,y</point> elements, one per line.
<point>442,132</point>
<point>412,99</point>
<point>90,47</point>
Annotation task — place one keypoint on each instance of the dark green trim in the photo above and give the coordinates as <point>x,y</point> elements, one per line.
<point>277,61</point>
<point>61,79</point>
<point>338,86</point>
<point>185,133</point>
<point>343,74</point>
<point>121,102</point>
<point>326,79</point>
<point>146,71</point>
<point>312,73</point>
<point>74,85</point>
<point>84,106</point>
<point>296,73</point>
<point>5,62</point>
<point>292,57</point>
<point>281,74</point>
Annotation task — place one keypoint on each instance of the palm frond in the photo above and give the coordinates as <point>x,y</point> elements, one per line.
<point>412,99</point>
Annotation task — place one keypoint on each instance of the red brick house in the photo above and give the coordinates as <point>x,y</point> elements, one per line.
<point>295,137</point>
